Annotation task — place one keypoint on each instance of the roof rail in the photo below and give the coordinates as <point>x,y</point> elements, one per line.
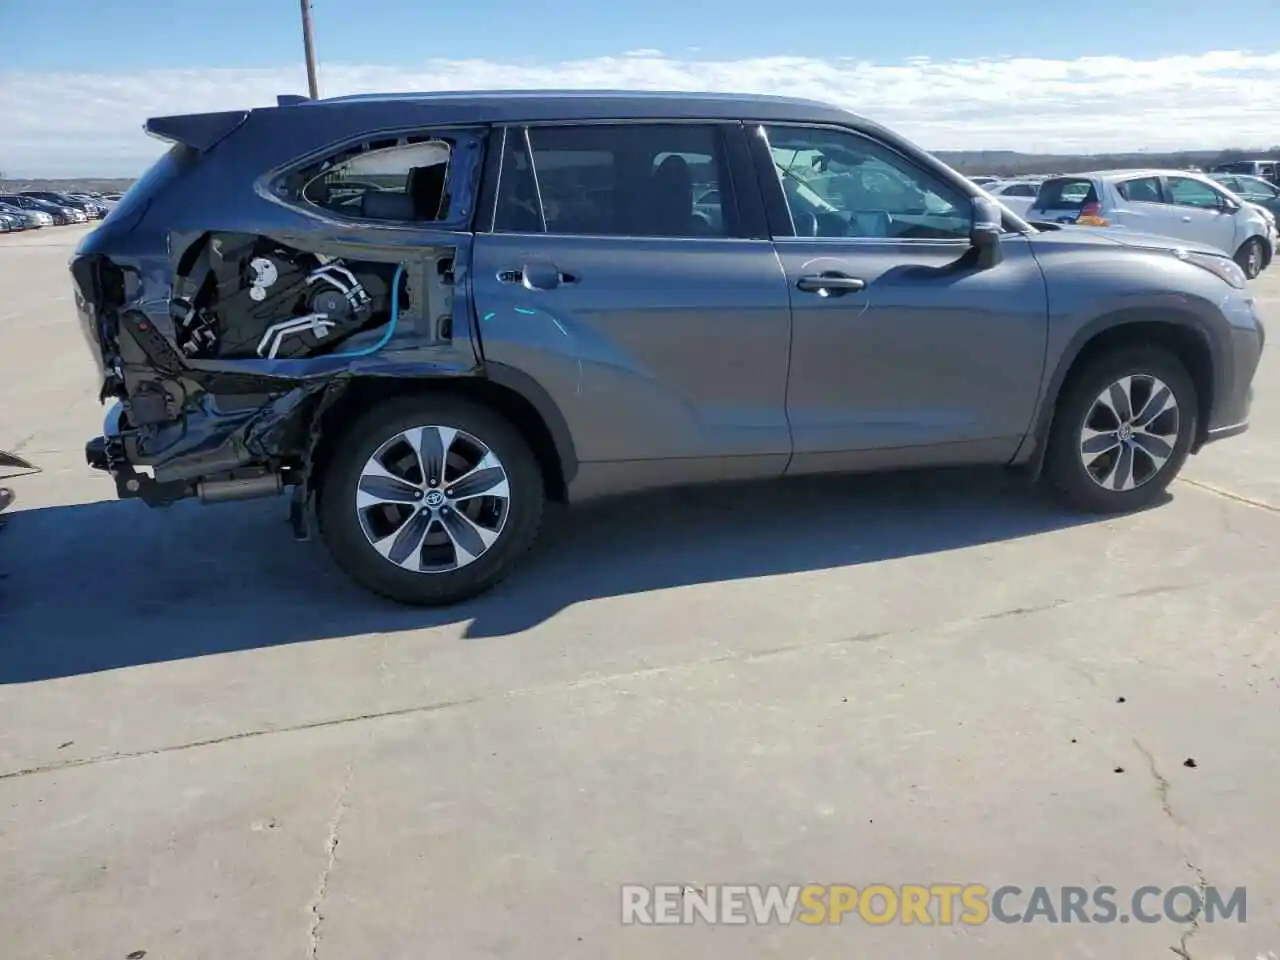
<point>291,99</point>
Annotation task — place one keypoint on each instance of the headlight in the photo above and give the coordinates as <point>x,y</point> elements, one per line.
<point>1224,268</point>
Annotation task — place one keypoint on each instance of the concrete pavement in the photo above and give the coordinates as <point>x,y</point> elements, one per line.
<point>211,745</point>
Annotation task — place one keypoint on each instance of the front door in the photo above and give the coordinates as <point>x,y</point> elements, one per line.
<point>1198,214</point>
<point>618,275</point>
<point>904,351</point>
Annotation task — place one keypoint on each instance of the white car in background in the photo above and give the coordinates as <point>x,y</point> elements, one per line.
<point>1169,203</point>
<point>1017,195</point>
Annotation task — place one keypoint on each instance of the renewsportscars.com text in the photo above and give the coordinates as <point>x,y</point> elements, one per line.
<point>938,904</point>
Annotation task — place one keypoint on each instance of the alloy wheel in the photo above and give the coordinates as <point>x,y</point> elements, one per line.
<point>433,499</point>
<point>1129,433</point>
<point>1254,265</point>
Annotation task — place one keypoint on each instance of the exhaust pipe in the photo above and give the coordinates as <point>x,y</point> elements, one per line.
<point>241,488</point>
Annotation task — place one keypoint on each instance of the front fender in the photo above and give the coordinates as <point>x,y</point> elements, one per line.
<point>1031,453</point>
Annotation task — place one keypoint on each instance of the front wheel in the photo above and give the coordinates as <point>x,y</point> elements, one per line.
<point>430,500</point>
<point>1251,257</point>
<point>1122,430</point>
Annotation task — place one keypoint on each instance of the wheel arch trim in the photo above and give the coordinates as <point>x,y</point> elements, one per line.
<point>1031,452</point>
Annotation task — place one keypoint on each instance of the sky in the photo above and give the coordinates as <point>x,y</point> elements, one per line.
<point>79,77</point>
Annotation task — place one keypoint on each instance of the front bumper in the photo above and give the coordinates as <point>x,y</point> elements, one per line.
<point>1241,354</point>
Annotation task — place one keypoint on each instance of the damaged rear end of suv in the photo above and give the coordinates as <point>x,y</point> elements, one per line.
<point>279,305</point>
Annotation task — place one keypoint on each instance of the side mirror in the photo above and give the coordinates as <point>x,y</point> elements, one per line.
<point>984,236</point>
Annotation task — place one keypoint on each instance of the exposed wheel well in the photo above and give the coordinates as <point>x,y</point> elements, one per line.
<point>1183,341</point>
<point>363,392</point>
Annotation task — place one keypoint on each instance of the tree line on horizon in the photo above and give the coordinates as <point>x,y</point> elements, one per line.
<point>1001,163</point>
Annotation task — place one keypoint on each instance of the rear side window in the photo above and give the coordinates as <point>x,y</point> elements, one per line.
<point>624,180</point>
<point>1140,190</point>
<point>1252,188</point>
<point>403,179</point>
<point>1066,193</point>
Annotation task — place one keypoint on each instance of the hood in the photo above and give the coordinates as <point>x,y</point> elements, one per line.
<point>1261,211</point>
<point>1072,233</point>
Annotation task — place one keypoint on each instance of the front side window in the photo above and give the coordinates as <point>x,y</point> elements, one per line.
<point>623,180</point>
<point>400,179</point>
<point>1186,192</point>
<point>839,184</point>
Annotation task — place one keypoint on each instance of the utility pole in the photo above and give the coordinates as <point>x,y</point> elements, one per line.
<point>310,48</point>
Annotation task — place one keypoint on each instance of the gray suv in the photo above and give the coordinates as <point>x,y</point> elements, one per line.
<point>426,315</point>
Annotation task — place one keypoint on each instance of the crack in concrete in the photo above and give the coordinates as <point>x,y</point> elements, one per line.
<point>1182,948</point>
<point>742,656</point>
<point>1228,495</point>
<point>232,737</point>
<point>1025,611</point>
<point>331,858</point>
<point>1162,784</point>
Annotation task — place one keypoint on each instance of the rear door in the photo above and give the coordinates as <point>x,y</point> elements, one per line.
<point>1199,215</point>
<point>1140,204</point>
<point>628,272</point>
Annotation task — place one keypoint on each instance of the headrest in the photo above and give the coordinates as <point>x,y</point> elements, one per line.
<point>674,171</point>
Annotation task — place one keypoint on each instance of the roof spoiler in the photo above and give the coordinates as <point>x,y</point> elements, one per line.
<point>200,131</point>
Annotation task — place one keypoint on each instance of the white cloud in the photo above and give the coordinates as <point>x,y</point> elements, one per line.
<point>66,124</point>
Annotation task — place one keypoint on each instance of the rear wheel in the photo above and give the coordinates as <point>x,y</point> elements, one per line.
<point>1251,257</point>
<point>430,500</point>
<point>1122,430</point>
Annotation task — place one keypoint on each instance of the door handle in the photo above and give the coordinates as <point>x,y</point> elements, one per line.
<point>830,284</point>
<point>537,276</point>
<point>1186,219</point>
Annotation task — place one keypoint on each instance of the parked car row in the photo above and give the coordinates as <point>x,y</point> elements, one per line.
<point>33,209</point>
<point>1233,212</point>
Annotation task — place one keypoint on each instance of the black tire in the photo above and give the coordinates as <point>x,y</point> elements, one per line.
<point>340,522</point>
<point>1065,468</point>
<point>1251,257</point>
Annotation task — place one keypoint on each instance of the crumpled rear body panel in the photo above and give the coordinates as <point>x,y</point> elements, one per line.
<point>183,341</point>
